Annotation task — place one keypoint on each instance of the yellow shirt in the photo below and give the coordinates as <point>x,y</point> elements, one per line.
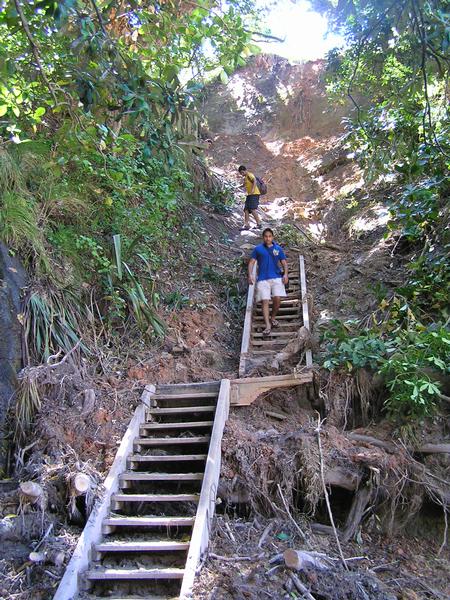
<point>250,179</point>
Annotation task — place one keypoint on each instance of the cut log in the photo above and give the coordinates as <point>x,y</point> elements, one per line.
<point>31,492</point>
<point>80,483</point>
<point>299,560</point>
<point>37,557</point>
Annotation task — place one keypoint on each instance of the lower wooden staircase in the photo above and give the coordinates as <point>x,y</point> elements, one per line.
<point>159,502</point>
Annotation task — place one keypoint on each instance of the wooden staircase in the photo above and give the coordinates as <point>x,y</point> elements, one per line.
<point>151,536</point>
<point>293,314</point>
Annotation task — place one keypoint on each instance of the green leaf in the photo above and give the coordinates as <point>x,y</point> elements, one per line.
<point>223,77</point>
<point>118,255</point>
<point>39,112</point>
<point>3,109</point>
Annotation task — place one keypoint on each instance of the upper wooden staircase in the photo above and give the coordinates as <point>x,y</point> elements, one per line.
<point>293,314</point>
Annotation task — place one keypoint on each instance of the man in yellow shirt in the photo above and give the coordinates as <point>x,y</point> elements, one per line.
<point>252,199</point>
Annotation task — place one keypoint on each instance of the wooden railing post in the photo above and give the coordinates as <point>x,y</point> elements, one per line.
<point>305,309</point>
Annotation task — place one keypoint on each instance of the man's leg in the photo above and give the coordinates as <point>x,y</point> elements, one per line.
<point>276,301</point>
<point>256,217</point>
<point>246,218</point>
<point>265,310</point>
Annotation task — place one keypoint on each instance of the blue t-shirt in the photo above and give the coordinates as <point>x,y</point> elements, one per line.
<point>268,261</point>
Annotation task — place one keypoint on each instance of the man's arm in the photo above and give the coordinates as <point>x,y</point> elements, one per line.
<point>254,183</point>
<point>251,264</point>
<point>285,269</point>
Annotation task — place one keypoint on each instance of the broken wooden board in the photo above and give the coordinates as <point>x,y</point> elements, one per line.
<point>246,390</point>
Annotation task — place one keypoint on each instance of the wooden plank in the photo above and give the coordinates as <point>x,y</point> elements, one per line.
<point>283,326</point>
<point>207,502</point>
<point>247,324</point>
<point>185,425</point>
<point>245,391</point>
<point>305,309</point>
<point>275,333</point>
<point>279,343</point>
<point>136,476</point>
<point>68,587</point>
<point>294,318</point>
<point>193,395</point>
<point>156,546</point>
<point>136,458</point>
<point>155,498</point>
<point>181,410</point>
<point>148,521</point>
<point>133,574</point>
<point>171,441</point>
<point>188,388</point>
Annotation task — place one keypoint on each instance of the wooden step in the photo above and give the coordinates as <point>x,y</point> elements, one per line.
<point>283,311</point>
<point>292,317</point>
<point>139,458</point>
<point>269,342</point>
<point>169,441</point>
<point>181,410</point>
<point>275,333</point>
<point>125,546</point>
<point>117,498</point>
<point>135,574</point>
<point>193,395</point>
<point>148,521</point>
<point>137,476</point>
<point>121,597</point>
<point>282,326</point>
<point>185,425</point>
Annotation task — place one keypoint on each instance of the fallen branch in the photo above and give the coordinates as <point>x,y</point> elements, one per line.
<point>360,500</point>
<point>390,447</point>
<point>235,558</point>
<point>301,588</point>
<point>265,533</point>
<point>275,415</point>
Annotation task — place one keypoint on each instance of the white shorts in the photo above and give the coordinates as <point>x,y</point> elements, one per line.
<point>269,288</point>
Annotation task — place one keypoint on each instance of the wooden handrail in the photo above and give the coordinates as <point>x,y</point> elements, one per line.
<point>207,500</point>
<point>247,325</point>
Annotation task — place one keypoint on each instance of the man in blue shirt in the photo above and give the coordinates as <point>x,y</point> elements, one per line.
<point>271,278</point>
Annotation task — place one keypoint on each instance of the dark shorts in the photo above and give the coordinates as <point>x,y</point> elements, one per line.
<point>252,202</point>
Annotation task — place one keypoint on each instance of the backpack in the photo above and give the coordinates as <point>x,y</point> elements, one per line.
<point>262,185</point>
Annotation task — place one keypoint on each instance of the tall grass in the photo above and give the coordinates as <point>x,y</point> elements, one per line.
<point>52,322</point>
